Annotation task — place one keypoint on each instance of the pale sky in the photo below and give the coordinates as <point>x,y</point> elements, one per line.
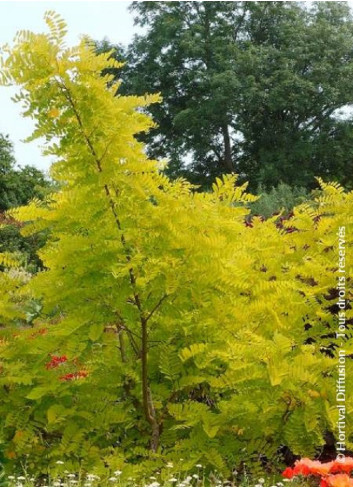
<point>97,19</point>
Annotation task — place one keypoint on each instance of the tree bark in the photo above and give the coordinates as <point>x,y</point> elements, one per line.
<point>148,406</point>
<point>228,162</point>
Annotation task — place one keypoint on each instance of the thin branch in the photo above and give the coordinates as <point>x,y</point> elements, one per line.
<point>157,306</point>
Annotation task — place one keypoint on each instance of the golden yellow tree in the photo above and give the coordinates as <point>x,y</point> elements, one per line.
<point>175,329</point>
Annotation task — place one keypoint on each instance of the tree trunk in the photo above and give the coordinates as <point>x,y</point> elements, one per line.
<point>148,406</point>
<point>228,162</point>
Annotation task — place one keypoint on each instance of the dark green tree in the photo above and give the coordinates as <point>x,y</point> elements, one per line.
<point>7,162</point>
<point>17,187</point>
<point>250,87</point>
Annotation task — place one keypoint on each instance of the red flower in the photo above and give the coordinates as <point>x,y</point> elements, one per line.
<point>67,377</point>
<point>302,470</point>
<point>81,374</point>
<point>288,473</point>
<point>346,465</point>
<point>323,483</point>
<point>306,467</point>
<point>55,362</point>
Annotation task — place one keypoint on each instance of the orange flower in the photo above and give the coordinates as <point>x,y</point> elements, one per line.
<point>341,468</point>
<point>40,332</point>
<point>305,466</point>
<point>339,480</point>
<point>346,465</point>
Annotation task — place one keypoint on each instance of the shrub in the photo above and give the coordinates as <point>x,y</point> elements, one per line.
<point>282,198</point>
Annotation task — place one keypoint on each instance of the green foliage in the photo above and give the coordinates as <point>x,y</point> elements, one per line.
<point>25,248</point>
<point>251,87</point>
<point>7,159</point>
<point>17,185</point>
<point>278,199</point>
<point>12,277</point>
<point>169,330</point>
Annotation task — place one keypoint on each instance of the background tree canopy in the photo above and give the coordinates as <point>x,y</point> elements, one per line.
<point>250,87</point>
<point>17,187</point>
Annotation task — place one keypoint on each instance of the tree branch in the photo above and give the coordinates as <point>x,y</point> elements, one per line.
<point>157,306</point>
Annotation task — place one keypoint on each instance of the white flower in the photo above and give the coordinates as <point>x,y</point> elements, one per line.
<point>21,478</point>
<point>187,478</point>
<point>262,480</point>
<point>72,476</point>
<point>60,462</point>
<point>170,465</point>
<point>153,478</point>
<point>199,466</point>
<point>112,479</point>
<point>173,479</point>
<point>118,472</point>
<point>11,477</point>
<point>91,477</point>
<point>279,484</point>
<point>56,484</point>
<point>155,484</point>
<point>195,476</point>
